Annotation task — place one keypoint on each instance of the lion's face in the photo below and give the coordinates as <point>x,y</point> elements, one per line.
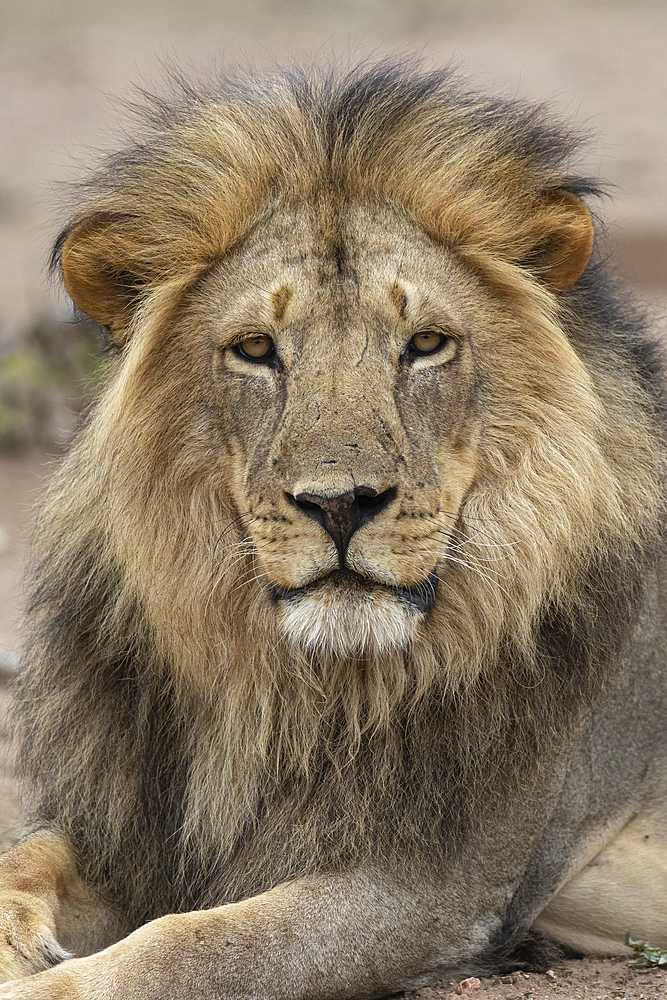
<point>345,430</point>
<point>343,382</point>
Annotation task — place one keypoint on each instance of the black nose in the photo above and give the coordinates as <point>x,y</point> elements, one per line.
<point>344,514</point>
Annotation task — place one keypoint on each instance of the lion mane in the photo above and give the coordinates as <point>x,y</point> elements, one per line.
<point>191,750</point>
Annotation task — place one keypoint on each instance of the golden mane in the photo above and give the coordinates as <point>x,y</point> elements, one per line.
<point>145,600</point>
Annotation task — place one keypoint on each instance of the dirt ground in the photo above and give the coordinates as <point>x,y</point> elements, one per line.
<point>587,979</point>
<point>602,63</point>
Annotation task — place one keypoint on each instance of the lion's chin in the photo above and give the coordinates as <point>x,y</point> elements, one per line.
<point>345,615</point>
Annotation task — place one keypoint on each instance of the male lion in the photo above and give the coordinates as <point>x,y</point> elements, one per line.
<point>345,668</point>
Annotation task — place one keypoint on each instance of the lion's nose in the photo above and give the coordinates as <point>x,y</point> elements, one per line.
<point>344,514</point>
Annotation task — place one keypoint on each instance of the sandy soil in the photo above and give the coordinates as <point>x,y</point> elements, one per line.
<point>590,979</point>
<point>600,62</point>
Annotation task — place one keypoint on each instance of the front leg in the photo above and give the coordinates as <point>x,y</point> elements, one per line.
<point>47,913</point>
<point>324,938</point>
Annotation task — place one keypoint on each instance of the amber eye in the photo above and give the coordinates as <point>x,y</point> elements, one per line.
<point>256,347</point>
<point>428,342</point>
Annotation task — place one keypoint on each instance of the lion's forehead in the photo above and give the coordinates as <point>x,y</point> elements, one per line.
<point>299,262</point>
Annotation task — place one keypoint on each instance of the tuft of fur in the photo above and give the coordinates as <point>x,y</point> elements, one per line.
<point>474,171</point>
<point>190,750</point>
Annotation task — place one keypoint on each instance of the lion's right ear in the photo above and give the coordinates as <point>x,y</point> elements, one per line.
<point>101,273</point>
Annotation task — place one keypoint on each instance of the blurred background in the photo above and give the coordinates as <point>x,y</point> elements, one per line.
<point>65,69</point>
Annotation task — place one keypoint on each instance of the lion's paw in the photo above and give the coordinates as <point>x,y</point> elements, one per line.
<point>27,942</point>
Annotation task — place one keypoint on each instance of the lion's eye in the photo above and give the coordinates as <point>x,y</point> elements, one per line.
<point>428,342</point>
<point>256,347</point>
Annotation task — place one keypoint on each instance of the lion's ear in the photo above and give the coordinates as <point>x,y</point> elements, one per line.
<point>563,251</point>
<point>100,274</point>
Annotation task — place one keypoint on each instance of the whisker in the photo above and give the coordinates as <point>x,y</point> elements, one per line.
<point>485,574</point>
<point>233,523</point>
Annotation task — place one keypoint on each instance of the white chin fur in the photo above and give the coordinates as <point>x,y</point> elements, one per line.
<point>348,623</point>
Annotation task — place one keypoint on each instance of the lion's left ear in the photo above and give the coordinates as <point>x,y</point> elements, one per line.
<point>563,251</point>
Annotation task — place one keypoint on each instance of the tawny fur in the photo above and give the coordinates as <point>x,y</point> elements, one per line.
<point>171,728</point>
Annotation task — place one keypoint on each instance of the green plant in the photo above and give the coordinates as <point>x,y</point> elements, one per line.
<point>644,955</point>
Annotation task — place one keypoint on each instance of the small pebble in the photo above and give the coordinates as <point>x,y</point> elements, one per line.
<point>468,985</point>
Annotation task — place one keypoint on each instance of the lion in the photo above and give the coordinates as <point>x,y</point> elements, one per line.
<point>344,667</point>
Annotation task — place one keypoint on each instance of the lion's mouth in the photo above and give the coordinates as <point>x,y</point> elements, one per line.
<point>417,599</point>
